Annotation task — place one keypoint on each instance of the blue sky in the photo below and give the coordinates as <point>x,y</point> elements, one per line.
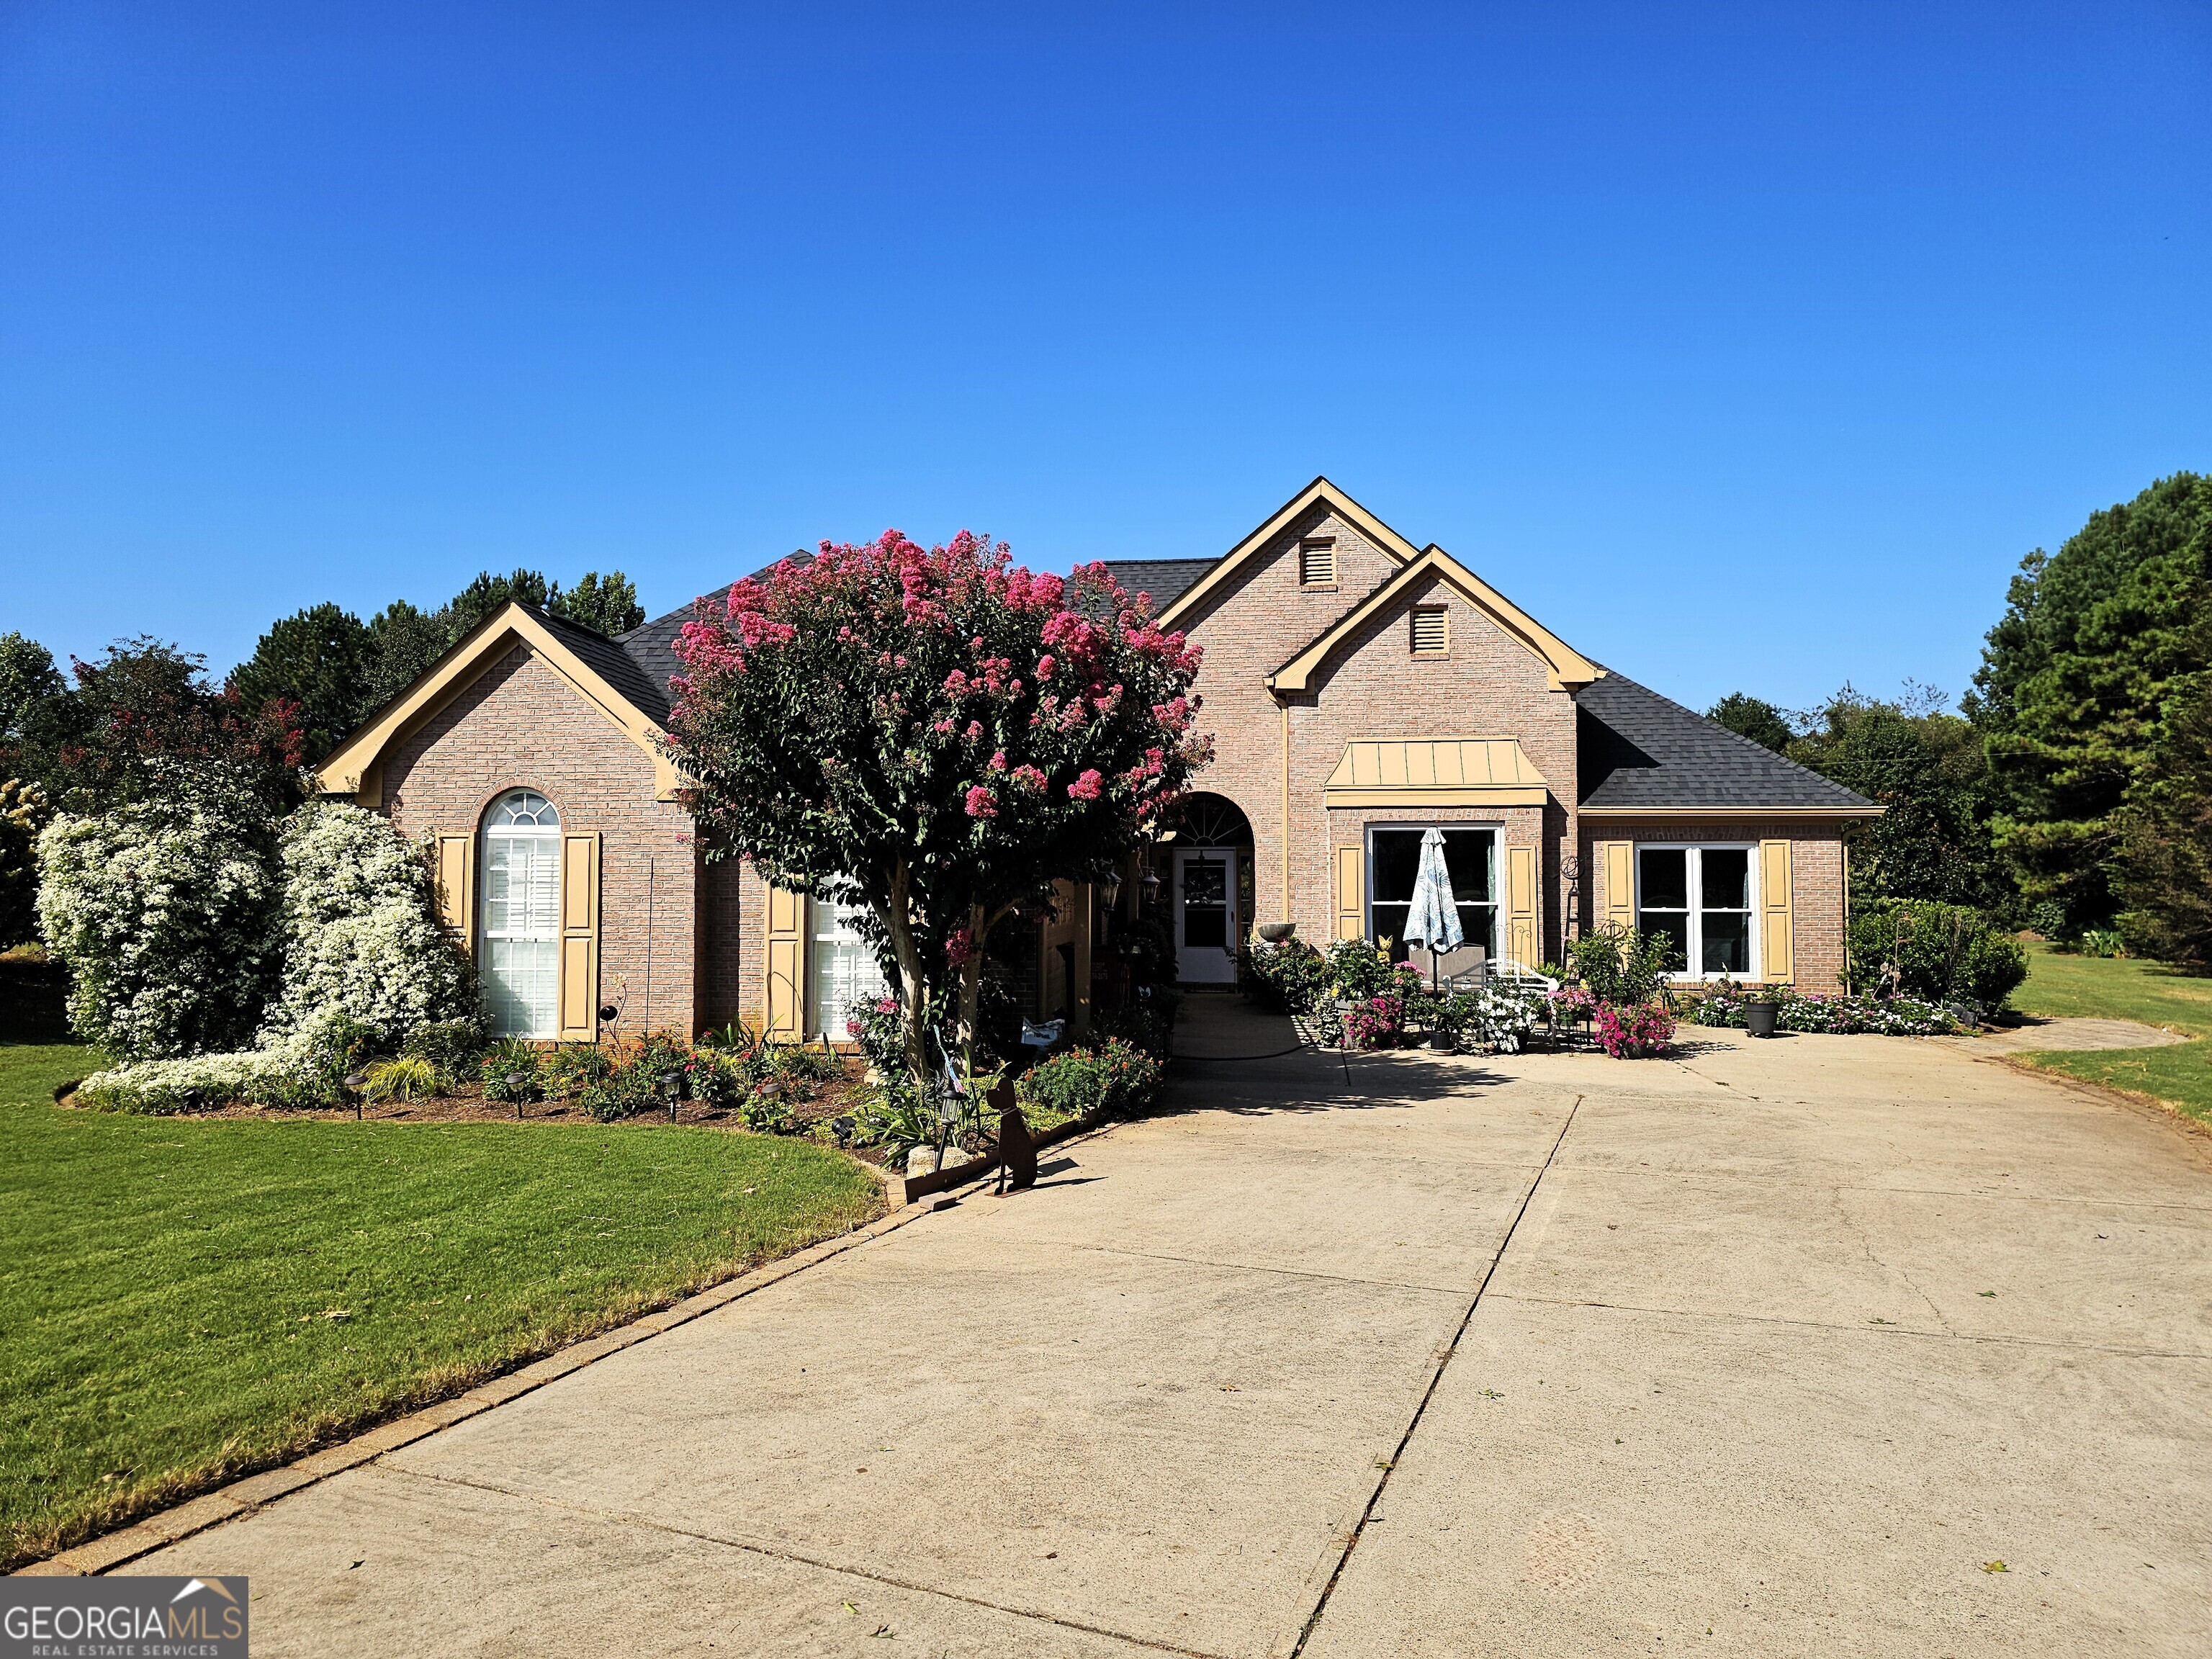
<point>1749,349</point>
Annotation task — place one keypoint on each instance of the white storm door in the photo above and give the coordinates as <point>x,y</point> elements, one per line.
<point>1205,915</point>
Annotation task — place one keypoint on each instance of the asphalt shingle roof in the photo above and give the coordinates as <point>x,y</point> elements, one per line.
<point>1637,748</point>
<point>1165,579</point>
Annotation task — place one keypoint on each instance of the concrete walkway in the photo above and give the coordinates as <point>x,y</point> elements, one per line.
<point>1786,1343</point>
<point>2075,1034</point>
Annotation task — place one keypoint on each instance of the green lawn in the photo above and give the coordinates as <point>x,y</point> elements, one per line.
<point>2180,1075</point>
<point>182,1302</point>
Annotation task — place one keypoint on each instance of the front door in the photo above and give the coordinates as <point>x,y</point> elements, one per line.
<point>1205,915</point>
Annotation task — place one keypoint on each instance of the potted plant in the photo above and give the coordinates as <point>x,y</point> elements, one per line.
<point>1759,1009</point>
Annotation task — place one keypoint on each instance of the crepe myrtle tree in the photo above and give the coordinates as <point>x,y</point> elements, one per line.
<point>933,735</point>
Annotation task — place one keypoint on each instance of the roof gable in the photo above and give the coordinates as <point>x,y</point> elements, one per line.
<point>1565,668</point>
<point>600,669</point>
<point>1320,492</point>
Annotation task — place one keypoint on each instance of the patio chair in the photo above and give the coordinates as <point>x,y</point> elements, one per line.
<point>1460,969</point>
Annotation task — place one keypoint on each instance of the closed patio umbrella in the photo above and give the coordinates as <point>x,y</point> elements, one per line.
<point>1433,920</point>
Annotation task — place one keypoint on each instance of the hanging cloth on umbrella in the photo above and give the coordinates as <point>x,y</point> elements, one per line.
<point>1433,920</point>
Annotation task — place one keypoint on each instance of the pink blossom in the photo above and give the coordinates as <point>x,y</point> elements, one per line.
<point>1086,788</point>
<point>1029,778</point>
<point>1046,664</point>
<point>982,803</point>
<point>999,761</point>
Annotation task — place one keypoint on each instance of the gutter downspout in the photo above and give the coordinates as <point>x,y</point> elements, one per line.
<point>1284,709</point>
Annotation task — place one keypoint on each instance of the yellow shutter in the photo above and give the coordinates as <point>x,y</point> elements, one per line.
<point>1520,906</point>
<point>786,958</point>
<point>1350,893</point>
<point>1618,860</point>
<point>1777,937</point>
<point>457,887</point>
<point>579,937</point>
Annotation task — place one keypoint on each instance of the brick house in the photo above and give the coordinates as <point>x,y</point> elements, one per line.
<point>1360,691</point>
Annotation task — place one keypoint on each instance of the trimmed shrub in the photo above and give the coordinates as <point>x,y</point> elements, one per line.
<point>1288,978</point>
<point>1944,952</point>
<point>1113,1077</point>
<point>451,1045</point>
<point>1623,967</point>
<point>513,1058</point>
<point>567,1072</point>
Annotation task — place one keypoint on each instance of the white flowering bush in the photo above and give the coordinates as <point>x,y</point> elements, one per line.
<point>165,911</point>
<point>364,964</point>
<point>360,930</point>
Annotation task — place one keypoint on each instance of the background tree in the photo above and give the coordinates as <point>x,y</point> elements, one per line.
<point>27,674</point>
<point>2166,847</point>
<point>403,642</point>
<point>145,717</point>
<point>605,605</point>
<point>488,593</point>
<point>2076,680</point>
<point>319,660</point>
<point>933,736</point>
<point>1751,717</point>
<point>1928,766</point>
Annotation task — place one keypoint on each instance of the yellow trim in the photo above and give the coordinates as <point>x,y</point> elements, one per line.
<point>784,1007</point>
<point>457,888</point>
<point>1320,491</point>
<point>356,769</point>
<point>1520,906</point>
<point>1565,668</point>
<point>1340,799</point>
<point>1618,860</point>
<point>579,990</point>
<point>1778,931</point>
<point>1352,892</point>
<point>1631,814</point>
<point>1433,763</point>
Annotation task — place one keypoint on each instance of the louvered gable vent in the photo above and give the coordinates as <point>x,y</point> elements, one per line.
<point>1317,563</point>
<point>1429,635</point>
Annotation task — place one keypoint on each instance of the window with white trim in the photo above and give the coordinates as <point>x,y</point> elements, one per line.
<point>844,974</point>
<point>521,914</point>
<point>1394,858</point>
<point>1702,898</point>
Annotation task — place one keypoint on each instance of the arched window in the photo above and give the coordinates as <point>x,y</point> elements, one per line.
<point>521,920</point>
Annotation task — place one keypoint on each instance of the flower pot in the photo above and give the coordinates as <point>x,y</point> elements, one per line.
<point>1276,932</point>
<point>1759,1019</point>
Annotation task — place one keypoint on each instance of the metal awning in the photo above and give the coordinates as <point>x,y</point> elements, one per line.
<point>1435,772</point>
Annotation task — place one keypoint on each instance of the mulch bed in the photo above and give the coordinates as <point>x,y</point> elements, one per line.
<point>822,1101</point>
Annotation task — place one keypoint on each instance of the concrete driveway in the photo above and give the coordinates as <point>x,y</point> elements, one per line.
<point>1785,1344</point>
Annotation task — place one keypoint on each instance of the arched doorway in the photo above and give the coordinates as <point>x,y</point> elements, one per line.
<point>520,920</point>
<point>1210,888</point>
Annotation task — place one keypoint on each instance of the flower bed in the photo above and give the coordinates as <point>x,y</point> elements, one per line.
<point>1722,1004</point>
<point>1634,1031</point>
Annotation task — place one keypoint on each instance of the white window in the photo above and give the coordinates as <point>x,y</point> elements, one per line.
<point>1701,898</point>
<point>1394,858</point>
<point>1317,562</point>
<point>521,919</point>
<point>845,976</point>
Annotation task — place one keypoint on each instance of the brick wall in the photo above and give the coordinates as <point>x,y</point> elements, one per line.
<point>1486,684</point>
<point>1263,621</point>
<point>521,725</point>
<point>1816,882</point>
